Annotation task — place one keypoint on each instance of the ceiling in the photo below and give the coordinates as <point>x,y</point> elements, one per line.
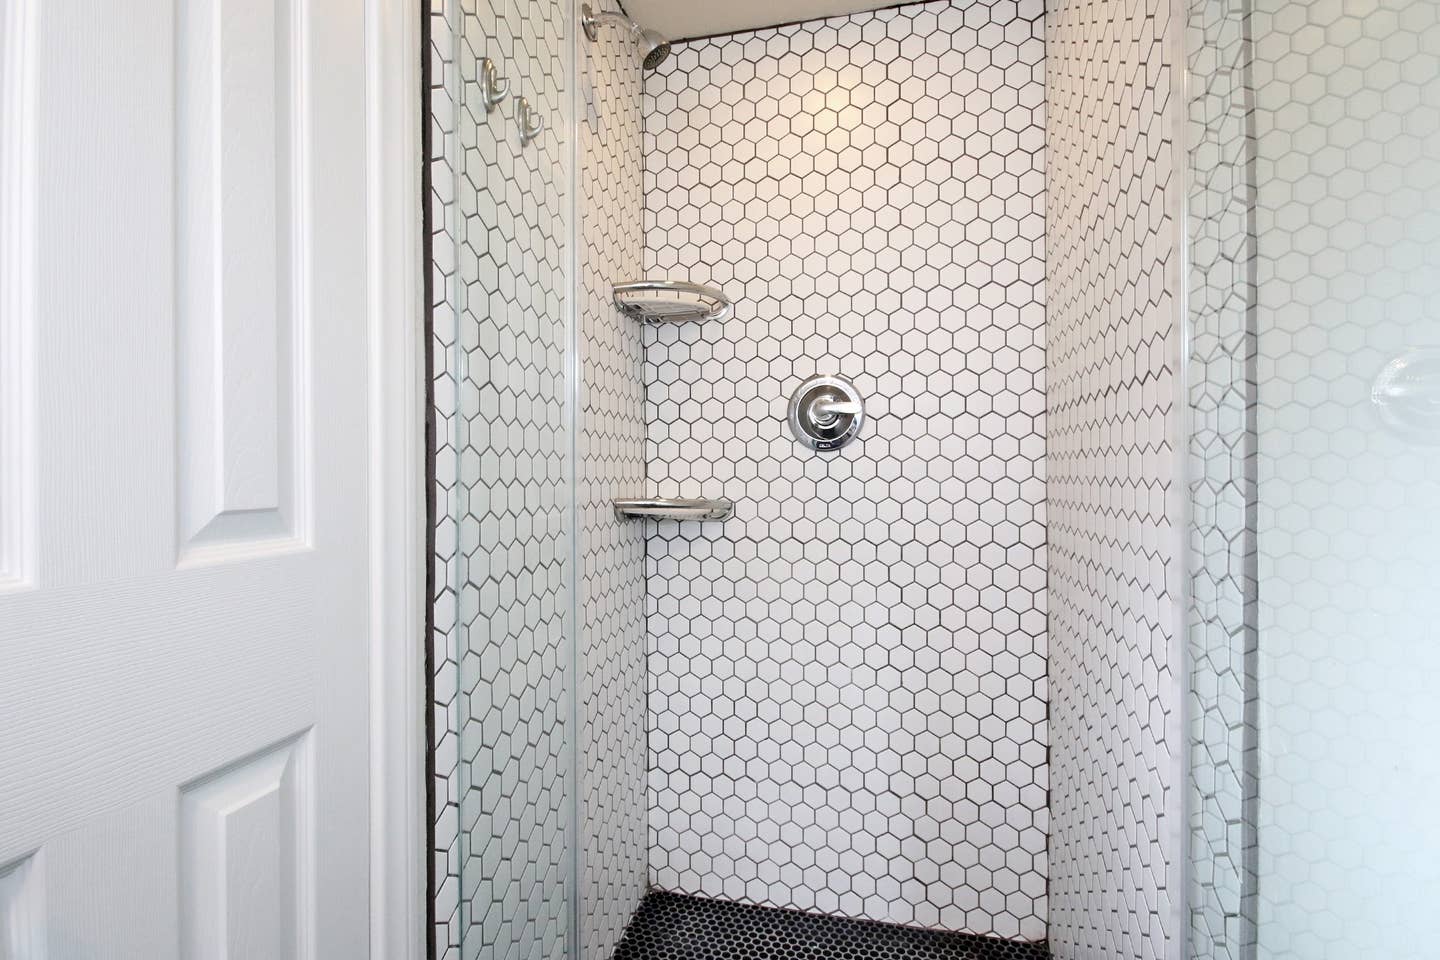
<point>701,18</point>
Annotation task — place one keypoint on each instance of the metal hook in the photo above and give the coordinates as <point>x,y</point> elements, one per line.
<point>493,87</point>
<point>526,119</point>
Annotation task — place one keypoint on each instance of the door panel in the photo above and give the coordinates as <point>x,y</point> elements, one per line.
<point>183,631</point>
<point>240,275</point>
<point>247,882</point>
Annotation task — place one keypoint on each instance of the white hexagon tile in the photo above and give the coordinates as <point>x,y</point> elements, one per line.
<point>501,660</point>
<point>1347,185</point>
<point>502,485</point>
<point>847,679</point>
<point>1223,639</point>
<point>444,94</point>
<point>1113,348</point>
<point>1312,677</point>
<point>847,682</point>
<point>611,464</point>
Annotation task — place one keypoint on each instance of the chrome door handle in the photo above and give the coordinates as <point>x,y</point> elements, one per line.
<point>530,123</point>
<point>493,87</point>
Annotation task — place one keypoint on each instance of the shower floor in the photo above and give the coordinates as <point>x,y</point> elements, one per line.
<point>669,926</point>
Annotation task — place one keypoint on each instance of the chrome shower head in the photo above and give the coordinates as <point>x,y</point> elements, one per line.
<point>651,48</point>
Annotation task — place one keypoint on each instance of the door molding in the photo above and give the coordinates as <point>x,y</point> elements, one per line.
<point>397,477</point>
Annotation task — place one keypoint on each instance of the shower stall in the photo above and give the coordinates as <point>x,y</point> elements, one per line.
<point>964,469</point>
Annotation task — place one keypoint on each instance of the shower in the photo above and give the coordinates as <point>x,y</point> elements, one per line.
<point>651,49</point>
<point>903,488</point>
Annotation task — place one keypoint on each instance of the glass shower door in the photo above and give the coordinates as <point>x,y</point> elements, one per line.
<point>501,232</point>
<point>1315,315</point>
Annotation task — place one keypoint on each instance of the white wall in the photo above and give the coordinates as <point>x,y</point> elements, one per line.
<point>1112,258</point>
<point>611,464</point>
<point>848,679</point>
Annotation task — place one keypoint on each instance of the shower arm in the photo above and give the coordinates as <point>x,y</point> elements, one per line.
<point>591,22</point>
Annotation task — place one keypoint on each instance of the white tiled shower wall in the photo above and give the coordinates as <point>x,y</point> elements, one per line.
<point>501,643</point>
<point>443,94</point>
<point>611,464</point>
<point>1313,656</point>
<point>1113,347</point>
<point>848,681</point>
<point>1223,640</point>
<point>848,678</point>
<point>1346,189</point>
<point>501,537</point>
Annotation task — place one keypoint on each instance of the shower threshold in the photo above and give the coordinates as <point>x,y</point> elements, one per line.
<point>669,926</point>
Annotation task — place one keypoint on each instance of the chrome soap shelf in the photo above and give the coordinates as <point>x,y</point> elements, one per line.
<point>661,508</point>
<point>671,301</point>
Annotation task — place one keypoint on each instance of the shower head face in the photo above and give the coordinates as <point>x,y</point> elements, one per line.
<point>653,49</point>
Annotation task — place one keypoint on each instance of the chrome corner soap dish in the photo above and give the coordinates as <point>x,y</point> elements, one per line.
<point>663,508</point>
<point>671,301</point>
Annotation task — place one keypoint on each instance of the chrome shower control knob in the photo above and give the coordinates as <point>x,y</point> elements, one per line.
<point>826,413</point>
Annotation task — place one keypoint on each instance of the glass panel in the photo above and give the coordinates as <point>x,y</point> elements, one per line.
<point>508,222</point>
<point>1315,315</point>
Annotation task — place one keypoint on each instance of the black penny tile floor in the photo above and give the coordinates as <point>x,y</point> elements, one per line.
<point>672,927</point>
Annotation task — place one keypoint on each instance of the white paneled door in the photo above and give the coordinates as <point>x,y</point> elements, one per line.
<point>184,504</point>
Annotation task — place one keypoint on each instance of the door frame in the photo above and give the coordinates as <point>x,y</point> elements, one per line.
<point>397,416</point>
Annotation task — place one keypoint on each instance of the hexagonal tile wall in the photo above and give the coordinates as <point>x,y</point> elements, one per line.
<point>502,537</point>
<point>443,97</point>
<point>1347,182</point>
<point>848,678</point>
<point>1312,270</point>
<point>612,464</point>
<point>1113,341</point>
<point>1222,625</point>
